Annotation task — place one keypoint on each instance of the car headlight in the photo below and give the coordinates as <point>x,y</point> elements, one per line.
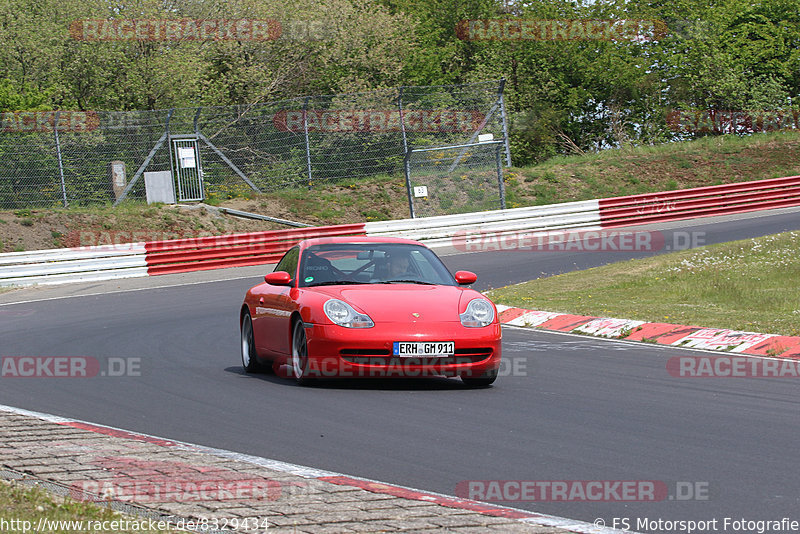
<point>341,313</point>
<point>480,312</point>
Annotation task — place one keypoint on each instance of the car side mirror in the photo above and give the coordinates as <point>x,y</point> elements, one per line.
<point>278,278</point>
<point>466,278</point>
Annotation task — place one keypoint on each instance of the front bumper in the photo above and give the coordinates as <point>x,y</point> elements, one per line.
<point>336,351</point>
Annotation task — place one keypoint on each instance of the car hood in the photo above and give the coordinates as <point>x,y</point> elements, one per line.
<point>399,302</point>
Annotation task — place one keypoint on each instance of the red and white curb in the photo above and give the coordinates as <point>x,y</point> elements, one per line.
<point>676,335</point>
<point>373,486</point>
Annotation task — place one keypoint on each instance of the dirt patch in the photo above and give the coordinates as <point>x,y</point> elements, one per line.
<point>46,229</point>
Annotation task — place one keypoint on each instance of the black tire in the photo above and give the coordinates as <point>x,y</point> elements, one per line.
<point>482,381</point>
<point>300,355</point>
<point>248,346</point>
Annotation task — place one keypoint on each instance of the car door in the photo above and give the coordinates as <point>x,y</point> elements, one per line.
<point>273,310</point>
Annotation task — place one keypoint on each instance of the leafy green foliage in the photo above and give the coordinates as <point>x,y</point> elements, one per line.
<point>562,96</point>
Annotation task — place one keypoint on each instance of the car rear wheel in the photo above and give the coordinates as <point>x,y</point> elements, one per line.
<point>482,381</point>
<point>300,354</point>
<point>249,357</point>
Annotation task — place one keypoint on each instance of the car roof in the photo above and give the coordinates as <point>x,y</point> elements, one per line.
<point>357,240</point>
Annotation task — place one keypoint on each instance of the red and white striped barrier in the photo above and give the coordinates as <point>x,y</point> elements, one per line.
<point>218,252</point>
<point>195,254</point>
<point>129,260</point>
<point>700,202</point>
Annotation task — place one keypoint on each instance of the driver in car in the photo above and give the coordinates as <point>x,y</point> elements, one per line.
<point>399,266</point>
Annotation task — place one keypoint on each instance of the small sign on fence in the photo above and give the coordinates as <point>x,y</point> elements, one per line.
<point>186,155</point>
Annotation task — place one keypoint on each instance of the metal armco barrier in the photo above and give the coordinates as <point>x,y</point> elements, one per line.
<point>184,255</point>
<point>439,231</point>
<point>216,252</point>
<point>107,262</point>
<point>84,264</point>
<point>700,202</point>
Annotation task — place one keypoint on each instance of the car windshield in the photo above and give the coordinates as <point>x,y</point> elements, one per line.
<point>371,263</point>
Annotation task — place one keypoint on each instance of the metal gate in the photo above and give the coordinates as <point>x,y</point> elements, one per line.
<point>454,179</point>
<point>186,167</point>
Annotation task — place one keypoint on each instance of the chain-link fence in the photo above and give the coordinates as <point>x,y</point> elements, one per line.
<point>455,179</point>
<point>75,158</point>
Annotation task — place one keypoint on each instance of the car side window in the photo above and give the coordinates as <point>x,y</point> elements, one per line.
<point>289,262</point>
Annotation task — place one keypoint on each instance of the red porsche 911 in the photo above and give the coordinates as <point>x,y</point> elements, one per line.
<point>369,307</point>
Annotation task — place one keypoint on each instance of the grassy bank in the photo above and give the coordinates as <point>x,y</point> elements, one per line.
<point>706,161</point>
<point>742,285</point>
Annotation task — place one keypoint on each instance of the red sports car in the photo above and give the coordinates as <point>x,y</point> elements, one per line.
<point>369,307</point>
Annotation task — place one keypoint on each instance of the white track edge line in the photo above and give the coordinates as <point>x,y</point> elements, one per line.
<point>45,299</point>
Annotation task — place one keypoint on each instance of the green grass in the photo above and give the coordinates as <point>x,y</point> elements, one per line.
<point>742,285</point>
<point>31,504</point>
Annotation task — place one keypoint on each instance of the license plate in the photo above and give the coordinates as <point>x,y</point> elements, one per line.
<point>429,349</point>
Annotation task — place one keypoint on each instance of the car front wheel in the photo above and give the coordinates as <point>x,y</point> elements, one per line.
<point>300,354</point>
<point>249,356</point>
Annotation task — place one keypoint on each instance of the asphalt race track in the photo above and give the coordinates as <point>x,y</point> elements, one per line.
<point>577,408</point>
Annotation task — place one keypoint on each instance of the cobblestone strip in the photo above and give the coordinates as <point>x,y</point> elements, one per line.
<point>194,482</point>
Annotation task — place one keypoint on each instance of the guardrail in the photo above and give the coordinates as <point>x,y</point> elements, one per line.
<point>216,252</point>
<point>107,262</point>
<point>85,264</point>
<point>439,230</point>
<point>239,250</point>
<point>700,202</point>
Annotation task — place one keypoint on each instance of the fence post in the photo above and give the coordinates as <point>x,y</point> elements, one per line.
<point>407,168</point>
<point>505,123</point>
<point>196,120</point>
<point>60,163</point>
<point>308,147</point>
<point>500,182</point>
<point>176,181</point>
<point>402,119</point>
<point>406,153</point>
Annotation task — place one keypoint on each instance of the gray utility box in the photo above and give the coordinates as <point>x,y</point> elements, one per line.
<point>159,187</point>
